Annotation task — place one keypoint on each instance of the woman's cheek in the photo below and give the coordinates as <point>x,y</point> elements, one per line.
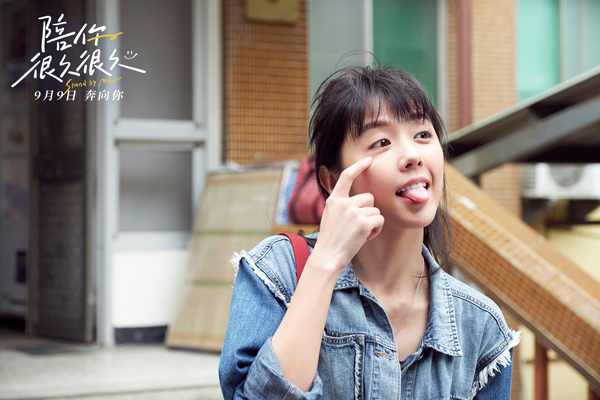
<point>365,182</point>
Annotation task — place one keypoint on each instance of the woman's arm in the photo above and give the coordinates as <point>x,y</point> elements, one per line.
<point>297,342</point>
<point>347,223</point>
<point>248,368</point>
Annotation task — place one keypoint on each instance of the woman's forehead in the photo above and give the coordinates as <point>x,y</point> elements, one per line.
<point>386,119</point>
<point>377,111</point>
<point>382,110</point>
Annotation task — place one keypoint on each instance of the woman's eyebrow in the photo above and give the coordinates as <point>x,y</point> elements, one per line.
<point>374,124</point>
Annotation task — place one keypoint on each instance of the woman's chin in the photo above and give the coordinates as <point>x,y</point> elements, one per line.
<point>412,224</point>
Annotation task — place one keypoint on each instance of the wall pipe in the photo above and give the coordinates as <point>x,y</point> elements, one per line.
<point>464,62</point>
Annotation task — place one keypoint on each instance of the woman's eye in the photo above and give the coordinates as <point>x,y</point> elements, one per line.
<point>381,143</point>
<point>423,135</point>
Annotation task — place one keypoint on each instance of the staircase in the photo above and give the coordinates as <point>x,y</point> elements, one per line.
<point>525,274</point>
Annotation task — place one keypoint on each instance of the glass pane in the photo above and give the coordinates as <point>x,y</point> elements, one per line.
<point>162,38</point>
<point>538,46</point>
<point>405,34</point>
<point>592,44</point>
<point>336,28</point>
<point>155,190</point>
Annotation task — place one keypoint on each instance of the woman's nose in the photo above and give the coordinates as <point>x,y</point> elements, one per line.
<point>410,157</point>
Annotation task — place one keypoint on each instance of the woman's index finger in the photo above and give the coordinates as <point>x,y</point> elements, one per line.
<point>344,183</point>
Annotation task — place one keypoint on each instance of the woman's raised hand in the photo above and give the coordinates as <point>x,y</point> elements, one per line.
<point>347,221</point>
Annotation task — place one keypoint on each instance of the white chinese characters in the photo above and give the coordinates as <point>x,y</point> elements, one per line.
<point>90,61</point>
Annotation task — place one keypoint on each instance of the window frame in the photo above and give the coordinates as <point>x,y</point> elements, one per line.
<point>109,131</point>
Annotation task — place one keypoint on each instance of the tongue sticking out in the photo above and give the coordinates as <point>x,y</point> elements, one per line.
<point>418,195</point>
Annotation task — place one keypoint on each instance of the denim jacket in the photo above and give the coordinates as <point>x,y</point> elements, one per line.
<point>465,352</point>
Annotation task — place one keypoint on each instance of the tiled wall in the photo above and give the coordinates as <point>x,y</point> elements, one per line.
<point>494,86</point>
<point>265,87</point>
<point>503,185</point>
<point>493,57</point>
<point>452,66</point>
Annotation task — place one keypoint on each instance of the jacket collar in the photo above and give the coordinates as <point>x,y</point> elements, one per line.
<point>441,332</point>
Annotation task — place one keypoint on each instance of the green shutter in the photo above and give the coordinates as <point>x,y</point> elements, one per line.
<point>592,45</point>
<point>405,34</point>
<point>538,46</point>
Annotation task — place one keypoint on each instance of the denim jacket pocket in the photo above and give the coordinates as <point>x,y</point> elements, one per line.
<point>348,351</point>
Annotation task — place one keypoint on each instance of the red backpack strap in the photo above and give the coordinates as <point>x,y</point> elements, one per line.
<point>301,252</point>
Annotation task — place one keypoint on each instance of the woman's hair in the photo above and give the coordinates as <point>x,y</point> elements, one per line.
<point>341,105</point>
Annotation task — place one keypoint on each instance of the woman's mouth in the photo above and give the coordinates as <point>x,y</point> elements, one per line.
<point>416,193</point>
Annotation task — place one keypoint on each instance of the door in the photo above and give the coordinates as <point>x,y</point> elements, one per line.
<point>60,284</point>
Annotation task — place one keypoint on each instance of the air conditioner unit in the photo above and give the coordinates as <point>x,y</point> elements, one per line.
<point>560,181</point>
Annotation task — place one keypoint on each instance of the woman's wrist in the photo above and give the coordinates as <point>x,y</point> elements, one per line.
<point>328,266</point>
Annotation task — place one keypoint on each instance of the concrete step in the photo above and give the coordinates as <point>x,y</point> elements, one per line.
<point>206,393</point>
<point>53,371</point>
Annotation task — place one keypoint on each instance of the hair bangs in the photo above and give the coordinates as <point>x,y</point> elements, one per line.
<point>371,94</point>
<point>399,108</point>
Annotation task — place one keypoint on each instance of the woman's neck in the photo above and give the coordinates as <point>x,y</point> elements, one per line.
<point>390,262</point>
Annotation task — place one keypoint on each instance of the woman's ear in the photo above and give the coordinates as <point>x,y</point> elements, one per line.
<point>328,180</point>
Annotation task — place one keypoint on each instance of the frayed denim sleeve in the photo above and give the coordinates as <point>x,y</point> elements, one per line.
<point>249,368</point>
<point>497,371</point>
<point>499,384</point>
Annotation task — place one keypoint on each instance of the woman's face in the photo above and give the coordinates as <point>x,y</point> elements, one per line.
<point>404,153</point>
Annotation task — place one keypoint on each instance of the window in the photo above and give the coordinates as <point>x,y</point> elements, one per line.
<point>538,46</point>
<point>155,190</point>
<point>162,39</point>
<point>405,34</point>
<point>556,40</point>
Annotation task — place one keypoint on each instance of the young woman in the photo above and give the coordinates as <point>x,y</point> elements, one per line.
<point>373,315</point>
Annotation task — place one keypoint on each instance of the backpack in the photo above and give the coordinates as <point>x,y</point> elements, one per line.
<point>301,251</point>
<point>306,203</point>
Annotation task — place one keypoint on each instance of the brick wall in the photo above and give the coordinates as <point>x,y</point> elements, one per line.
<point>493,57</point>
<point>493,88</point>
<point>494,85</point>
<point>265,87</point>
<point>493,81</point>
<point>504,185</point>
<point>452,66</point>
